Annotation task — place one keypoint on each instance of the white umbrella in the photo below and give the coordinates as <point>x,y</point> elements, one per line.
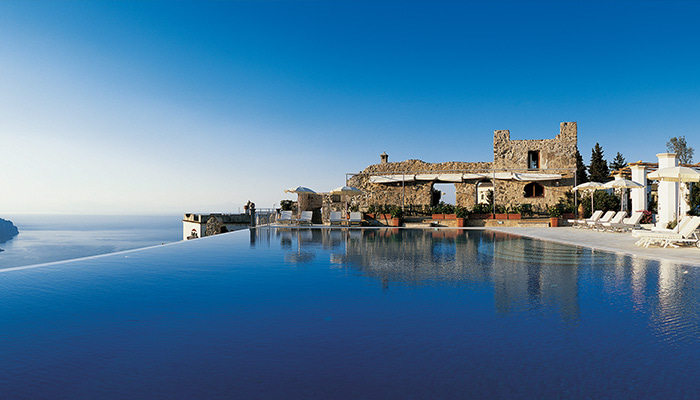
<point>346,191</point>
<point>299,190</point>
<point>676,174</point>
<point>620,183</point>
<point>592,186</point>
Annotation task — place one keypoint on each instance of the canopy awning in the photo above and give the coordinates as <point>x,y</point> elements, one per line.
<point>459,177</point>
<point>392,178</point>
<point>535,177</point>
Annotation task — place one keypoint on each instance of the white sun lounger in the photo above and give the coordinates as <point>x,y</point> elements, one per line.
<point>579,223</point>
<point>356,218</point>
<point>628,223</point>
<point>679,226</point>
<point>617,219</point>
<point>665,239</point>
<point>605,218</point>
<point>285,217</point>
<point>337,218</point>
<point>306,217</point>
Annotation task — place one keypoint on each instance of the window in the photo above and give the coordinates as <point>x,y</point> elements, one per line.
<point>533,189</point>
<point>483,189</point>
<point>533,159</point>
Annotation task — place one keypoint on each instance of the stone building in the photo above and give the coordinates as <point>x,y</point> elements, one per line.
<point>536,172</point>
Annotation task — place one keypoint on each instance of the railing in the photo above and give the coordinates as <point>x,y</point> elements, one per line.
<point>265,216</point>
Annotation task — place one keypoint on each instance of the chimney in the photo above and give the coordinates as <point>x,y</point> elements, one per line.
<point>385,157</point>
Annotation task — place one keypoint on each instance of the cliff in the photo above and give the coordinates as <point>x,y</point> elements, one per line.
<point>7,230</point>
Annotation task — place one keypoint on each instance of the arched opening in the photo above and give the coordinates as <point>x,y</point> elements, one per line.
<point>482,192</point>
<point>533,189</point>
<point>447,193</point>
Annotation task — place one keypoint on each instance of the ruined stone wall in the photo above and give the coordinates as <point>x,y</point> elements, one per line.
<point>556,153</point>
<point>417,194</point>
<point>556,156</point>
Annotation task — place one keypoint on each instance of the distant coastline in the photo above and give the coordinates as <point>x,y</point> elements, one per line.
<point>8,230</point>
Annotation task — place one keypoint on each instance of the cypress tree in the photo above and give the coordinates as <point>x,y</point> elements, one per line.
<point>618,162</point>
<point>598,169</point>
<point>581,174</point>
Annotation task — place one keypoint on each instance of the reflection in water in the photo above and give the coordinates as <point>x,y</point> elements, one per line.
<point>525,275</point>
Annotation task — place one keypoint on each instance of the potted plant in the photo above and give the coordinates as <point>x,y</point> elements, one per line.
<point>396,215</point>
<point>554,214</point>
<point>461,213</point>
<point>449,211</point>
<point>370,212</point>
<point>500,212</point>
<point>437,212</point>
<point>480,211</point>
<point>514,212</point>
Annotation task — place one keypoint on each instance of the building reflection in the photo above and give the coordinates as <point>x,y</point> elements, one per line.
<point>524,274</point>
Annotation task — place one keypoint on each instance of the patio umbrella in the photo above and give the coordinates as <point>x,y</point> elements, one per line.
<point>346,191</point>
<point>592,186</point>
<point>299,190</point>
<point>676,174</point>
<point>620,183</point>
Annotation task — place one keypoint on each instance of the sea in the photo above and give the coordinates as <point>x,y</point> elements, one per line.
<point>51,238</point>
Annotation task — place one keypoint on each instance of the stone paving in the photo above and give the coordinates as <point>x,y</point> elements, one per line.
<point>615,242</point>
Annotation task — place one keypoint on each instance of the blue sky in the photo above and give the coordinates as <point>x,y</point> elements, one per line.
<point>171,107</point>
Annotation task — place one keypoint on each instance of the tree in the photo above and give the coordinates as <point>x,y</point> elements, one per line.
<point>581,174</point>
<point>598,169</point>
<point>618,162</point>
<point>679,146</point>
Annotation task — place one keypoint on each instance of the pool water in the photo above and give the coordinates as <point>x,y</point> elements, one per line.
<point>352,313</point>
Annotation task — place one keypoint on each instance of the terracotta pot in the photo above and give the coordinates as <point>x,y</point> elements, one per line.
<point>554,222</point>
<point>460,222</point>
<point>369,215</point>
<point>501,216</point>
<point>515,216</point>
<point>450,216</point>
<point>438,216</point>
<point>396,222</point>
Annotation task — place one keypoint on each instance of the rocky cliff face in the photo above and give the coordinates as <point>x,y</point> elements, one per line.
<point>7,230</point>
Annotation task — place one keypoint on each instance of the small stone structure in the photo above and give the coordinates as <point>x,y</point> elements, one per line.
<point>199,225</point>
<point>536,172</point>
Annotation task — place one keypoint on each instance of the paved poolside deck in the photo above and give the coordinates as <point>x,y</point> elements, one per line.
<point>615,242</point>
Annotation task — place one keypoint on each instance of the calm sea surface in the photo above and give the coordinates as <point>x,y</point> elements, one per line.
<point>352,314</point>
<point>48,238</point>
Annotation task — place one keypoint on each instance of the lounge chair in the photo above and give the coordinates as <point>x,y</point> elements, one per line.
<point>605,218</point>
<point>617,219</point>
<point>337,218</point>
<point>306,217</point>
<point>356,218</point>
<point>285,217</point>
<point>628,223</point>
<point>685,235</point>
<point>684,221</point>
<point>579,223</point>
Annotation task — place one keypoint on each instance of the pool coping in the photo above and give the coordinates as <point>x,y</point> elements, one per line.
<point>621,243</point>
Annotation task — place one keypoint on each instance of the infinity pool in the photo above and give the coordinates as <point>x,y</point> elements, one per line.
<point>351,313</point>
